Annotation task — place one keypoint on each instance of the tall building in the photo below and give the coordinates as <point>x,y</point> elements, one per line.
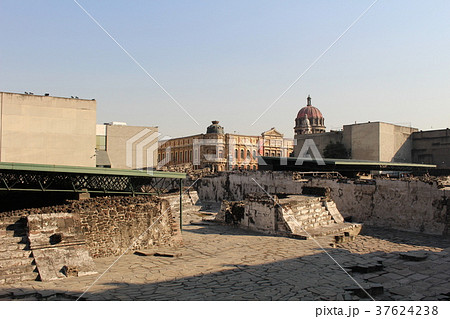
<point>374,141</point>
<point>43,129</point>
<point>221,151</point>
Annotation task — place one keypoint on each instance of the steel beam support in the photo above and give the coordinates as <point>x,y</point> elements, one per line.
<point>181,204</point>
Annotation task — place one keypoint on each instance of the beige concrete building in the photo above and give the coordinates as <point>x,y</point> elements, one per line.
<point>40,129</point>
<point>126,147</point>
<point>379,141</point>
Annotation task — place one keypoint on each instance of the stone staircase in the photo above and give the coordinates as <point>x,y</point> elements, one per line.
<point>311,216</point>
<point>16,259</point>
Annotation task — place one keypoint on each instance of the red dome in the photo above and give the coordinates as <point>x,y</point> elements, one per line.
<point>310,111</point>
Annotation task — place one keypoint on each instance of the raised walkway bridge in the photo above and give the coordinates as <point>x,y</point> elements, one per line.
<point>58,178</point>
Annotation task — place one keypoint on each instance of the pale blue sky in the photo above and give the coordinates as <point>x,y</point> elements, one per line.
<point>230,60</point>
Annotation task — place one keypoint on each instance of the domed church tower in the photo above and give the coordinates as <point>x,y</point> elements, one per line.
<point>309,120</point>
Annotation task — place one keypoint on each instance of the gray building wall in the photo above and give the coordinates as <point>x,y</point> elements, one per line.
<point>363,141</point>
<point>47,130</point>
<point>373,141</point>
<point>432,147</point>
<point>320,139</point>
<point>138,143</point>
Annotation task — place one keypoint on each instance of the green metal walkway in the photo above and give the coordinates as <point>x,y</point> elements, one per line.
<point>59,178</point>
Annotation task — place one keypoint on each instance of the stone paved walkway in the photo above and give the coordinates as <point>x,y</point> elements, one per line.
<point>224,263</point>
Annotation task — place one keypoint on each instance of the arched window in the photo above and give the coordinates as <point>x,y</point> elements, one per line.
<point>248,154</point>
<point>242,154</point>
<point>235,154</point>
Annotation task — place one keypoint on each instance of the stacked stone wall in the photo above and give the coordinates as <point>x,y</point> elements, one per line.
<point>411,205</point>
<point>111,224</point>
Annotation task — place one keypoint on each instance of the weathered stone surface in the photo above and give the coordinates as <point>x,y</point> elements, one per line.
<point>371,289</point>
<point>414,255</point>
<point>52,262</point>
<point>379,202</point>
<point>367,268</point>
<point>297,216</point>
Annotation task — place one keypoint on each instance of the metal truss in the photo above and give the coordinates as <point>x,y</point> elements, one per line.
<point>16,180</point>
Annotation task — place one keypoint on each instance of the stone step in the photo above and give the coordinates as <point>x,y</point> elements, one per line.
<point>12,240</point>
<point>329,230</point>
<point>16,270</point>
<point>11,279</point>
<point>308,206</point>
<point>306,214</point>
<point>318,225</point>
<point>313,220</point>
<point>11,247</point>
<point>12,233</point>
<point>309,216</point>
<point>9,254</point>
<point>15,262</point>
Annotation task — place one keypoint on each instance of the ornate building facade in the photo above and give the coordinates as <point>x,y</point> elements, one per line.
<point>222,151</point>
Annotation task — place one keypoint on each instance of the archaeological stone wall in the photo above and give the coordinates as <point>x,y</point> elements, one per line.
<point>411,205</point>
<point>111,224</point>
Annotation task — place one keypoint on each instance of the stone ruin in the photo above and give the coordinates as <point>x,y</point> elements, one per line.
<point>310,215</point>
<point>56,242</point>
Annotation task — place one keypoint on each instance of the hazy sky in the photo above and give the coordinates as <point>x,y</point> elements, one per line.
<point>230,60</point>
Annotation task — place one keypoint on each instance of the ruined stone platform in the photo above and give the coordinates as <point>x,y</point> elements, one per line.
<point>298,216</point>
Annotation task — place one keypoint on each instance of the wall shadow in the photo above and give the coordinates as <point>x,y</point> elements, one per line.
<point>311,277</point>
<point>406,237</point>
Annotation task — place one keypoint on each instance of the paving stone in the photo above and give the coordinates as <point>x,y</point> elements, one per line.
<point>393,276</point>
<point>414,255</point>
<point>402,290</point>
<point>380,279</point>
<point>416,277</point>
